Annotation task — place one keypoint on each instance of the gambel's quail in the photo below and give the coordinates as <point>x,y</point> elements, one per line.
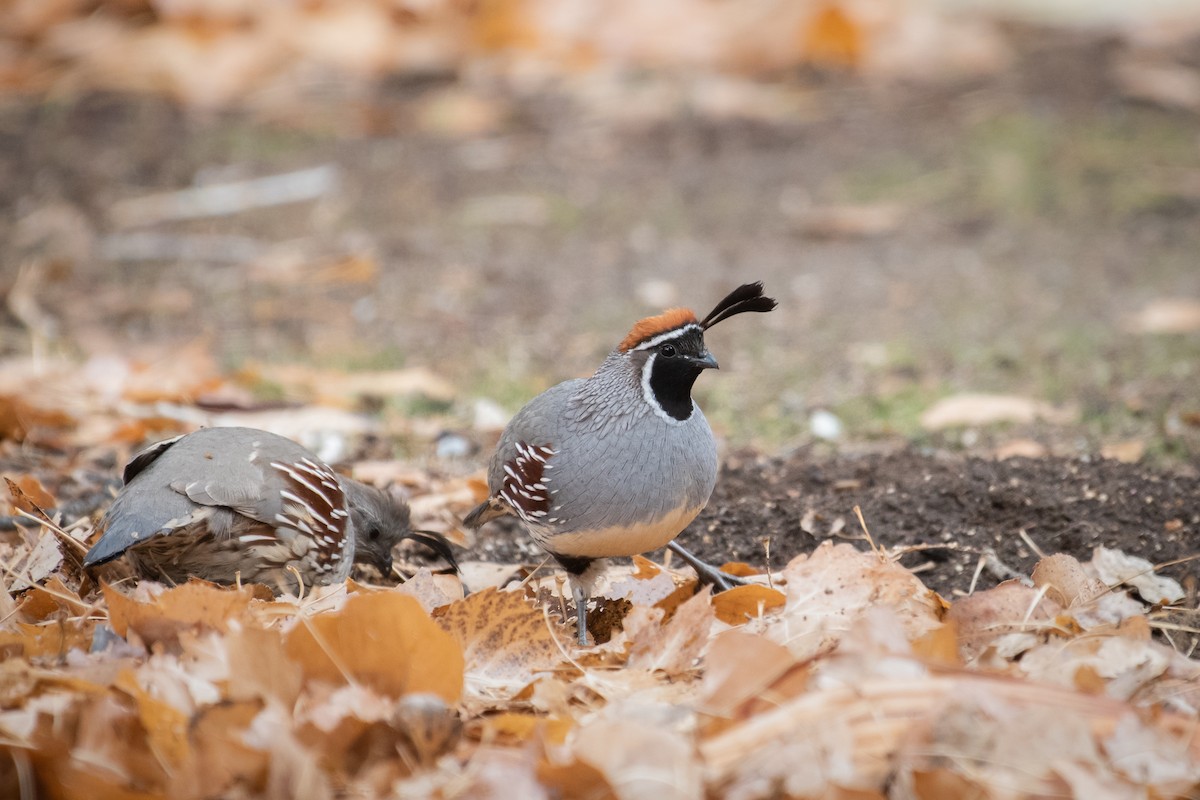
<point>618,463</point>
<point>239,504</point>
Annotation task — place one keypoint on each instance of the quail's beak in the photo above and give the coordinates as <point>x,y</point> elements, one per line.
<point>705,361</point>
<point>383,563</point>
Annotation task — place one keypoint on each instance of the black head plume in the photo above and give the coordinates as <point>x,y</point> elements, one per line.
<point>747,297</point>
<point>437,543</point>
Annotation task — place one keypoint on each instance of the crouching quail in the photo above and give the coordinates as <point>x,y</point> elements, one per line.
<point>618,463</point>
<point>239,504</point>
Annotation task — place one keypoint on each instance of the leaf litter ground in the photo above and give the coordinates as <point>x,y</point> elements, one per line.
<point>852,669</point>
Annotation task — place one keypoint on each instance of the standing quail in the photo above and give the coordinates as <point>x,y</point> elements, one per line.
<point>618,463</point>
<point>230,504</point>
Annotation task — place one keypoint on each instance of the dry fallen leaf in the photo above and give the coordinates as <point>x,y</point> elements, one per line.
<point>1114,568</point>
<point>383,640</point>
<point>971,409</point>
<point>743,603</point>
<point>1010,607</point>
<point>1066,582</point>
<point>738,666</point>
<point>163,616</point>
<point>828,589</point>
<point>674,647</point>
<point>506,641</point>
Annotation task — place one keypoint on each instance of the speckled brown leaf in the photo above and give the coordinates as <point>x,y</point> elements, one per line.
<point>505,639</point>
<point>383,640</point>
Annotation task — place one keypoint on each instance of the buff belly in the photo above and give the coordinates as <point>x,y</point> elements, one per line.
<point>621,540</point>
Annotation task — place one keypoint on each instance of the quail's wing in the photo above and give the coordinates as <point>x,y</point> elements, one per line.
<point>142,512</point>
<point>303,494</point>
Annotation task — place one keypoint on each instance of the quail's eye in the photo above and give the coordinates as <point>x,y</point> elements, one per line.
<point>668,351</point>
<point>374,534</point>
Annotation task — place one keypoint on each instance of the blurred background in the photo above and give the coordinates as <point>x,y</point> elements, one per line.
<point>981,219</point>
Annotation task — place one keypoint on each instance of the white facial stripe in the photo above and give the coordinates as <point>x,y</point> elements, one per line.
<point>648,393</point>
<point>671,334</point>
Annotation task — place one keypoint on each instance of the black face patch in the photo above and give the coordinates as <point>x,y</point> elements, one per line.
<point>674,370</point>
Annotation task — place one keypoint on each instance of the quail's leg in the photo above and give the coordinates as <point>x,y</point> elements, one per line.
<point>581,599</point>
<point>720,581</point>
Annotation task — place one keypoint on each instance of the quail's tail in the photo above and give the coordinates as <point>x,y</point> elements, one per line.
<point>486,511</point>
<point>113,543</point>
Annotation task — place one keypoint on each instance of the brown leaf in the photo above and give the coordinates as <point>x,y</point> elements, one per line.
<point>259,667</point>
<point>18,419</point>
<point>1166,315</point>
<point>51,640</point>
<point>383,640</point>
<point>972,409</point>
<point>45,557</point>
<point>52,597</point>
<point>743,603</point>
<point>575,780</point>
<point>739,666</point>
<point>513,727</point>
<point>833,38</point>
<point>1010,607</point>
<point>165,725</point>
<point>220,758</point>
<point>641,761</point>
<point>29,495</point>
<point>837,584</point>
<point>1065,581</point>
<point>674,647</point>
<point>195,604</point>
<point>426,590</point>
<point>505,639</point>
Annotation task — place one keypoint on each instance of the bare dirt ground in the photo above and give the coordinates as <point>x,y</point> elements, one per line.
<point>1026,218</point>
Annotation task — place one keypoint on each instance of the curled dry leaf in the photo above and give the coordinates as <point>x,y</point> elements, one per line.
<point>1066,582</point>
<point>382,640</point>
<point>506,641</point>
<point>1115,567</point>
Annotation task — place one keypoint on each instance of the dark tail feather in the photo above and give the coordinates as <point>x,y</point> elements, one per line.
<point>747,297</point>
<point>437,543</point>
<point>113,543</point>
